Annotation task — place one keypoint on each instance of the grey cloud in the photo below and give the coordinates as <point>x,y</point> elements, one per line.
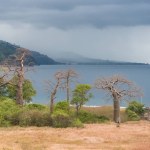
<point>73,13</point>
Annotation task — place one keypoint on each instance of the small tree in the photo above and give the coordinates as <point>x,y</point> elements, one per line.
<point>119,88</point>
<point>28,90</point>
<point>135,107</point>
<point>81,95</point>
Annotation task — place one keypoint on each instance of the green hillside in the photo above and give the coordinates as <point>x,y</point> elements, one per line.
<point>7,49</point>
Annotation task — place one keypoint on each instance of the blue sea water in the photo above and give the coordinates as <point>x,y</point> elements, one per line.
<point>140,74</point>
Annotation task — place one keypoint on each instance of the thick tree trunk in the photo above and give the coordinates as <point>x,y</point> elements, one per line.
<point>20,75</point>
<point>117,111</point>
<point>19,94</point>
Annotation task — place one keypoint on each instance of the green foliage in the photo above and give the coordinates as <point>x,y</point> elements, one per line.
<point>63,105</point>
<point>135,110</point>
<point>36,106</point>
<point>12,114</point>
<point>61,119</point>
<point>77,123</point>
<point>136,107</point>
<point>35,118</point>
<point>7,109</point>
<point>28,90</point>
<point>132,116</point>
<point>81,95</point>
<point>87,117</point>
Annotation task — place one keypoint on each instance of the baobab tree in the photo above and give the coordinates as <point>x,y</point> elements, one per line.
<point>119,88</point>
<point>68,77</point>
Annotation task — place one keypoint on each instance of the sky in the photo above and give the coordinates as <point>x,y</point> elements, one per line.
<point>104,29</point>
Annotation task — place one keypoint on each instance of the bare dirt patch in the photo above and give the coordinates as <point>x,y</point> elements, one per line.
<point>130,136</point>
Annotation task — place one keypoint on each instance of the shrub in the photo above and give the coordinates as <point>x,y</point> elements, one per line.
<point>36,106</point>
<point>132,116</point>
<point>87,117</point>
<point>135,110</point>
<point>63,105</point>
<point>7,109</point>
<point>102,119</point>
<point>35,118</point>
<point>61,119</point>
<point>77,123</point>
<point>136,107</point>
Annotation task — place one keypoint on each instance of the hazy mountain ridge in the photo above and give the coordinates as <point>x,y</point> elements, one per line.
<point>7,49</point>
<point>73,58</point>
<point>66,58</point>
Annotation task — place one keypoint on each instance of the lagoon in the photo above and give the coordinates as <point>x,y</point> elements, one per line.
<point>140,74</point>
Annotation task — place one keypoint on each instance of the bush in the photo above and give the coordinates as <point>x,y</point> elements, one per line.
<point>135,110</point>
<point>7,109</point>
<point>132,116</point>
<point>61,119</point>
<point>63,105</point>
<point>102,119</point>
<point>136,107</point>
<point>87,117</point>
<point>36,106</point>
<point>35,118</point>
<point>77,123</point>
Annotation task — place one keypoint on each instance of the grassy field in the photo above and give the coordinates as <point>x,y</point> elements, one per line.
<point>130,136</point>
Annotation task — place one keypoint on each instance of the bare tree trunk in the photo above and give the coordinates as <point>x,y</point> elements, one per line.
<point>117,111</point>
<point>20,74</point>
<point>19,94</point>
<point>53,93</point>
<point>20,57</point>
<point>68,90</point>
<point>52,103</point>
<point>77,108</point>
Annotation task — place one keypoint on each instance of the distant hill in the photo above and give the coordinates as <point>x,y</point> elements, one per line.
<point>73,58</point>
<point>66,58</point>
<point>7,49</point>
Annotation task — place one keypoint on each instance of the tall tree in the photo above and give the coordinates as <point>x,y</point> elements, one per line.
<point>119,88</point>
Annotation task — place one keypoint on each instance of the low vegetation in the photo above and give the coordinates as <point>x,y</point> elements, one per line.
<point>39,115</point>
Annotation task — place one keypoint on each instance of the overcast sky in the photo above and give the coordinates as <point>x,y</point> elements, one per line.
<point>107,29</point>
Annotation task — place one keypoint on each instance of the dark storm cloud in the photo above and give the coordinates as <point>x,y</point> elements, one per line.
<point>73,13</point>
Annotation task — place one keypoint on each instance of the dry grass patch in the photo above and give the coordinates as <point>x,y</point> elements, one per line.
<point>131,135</point>
<point>106,111</point>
